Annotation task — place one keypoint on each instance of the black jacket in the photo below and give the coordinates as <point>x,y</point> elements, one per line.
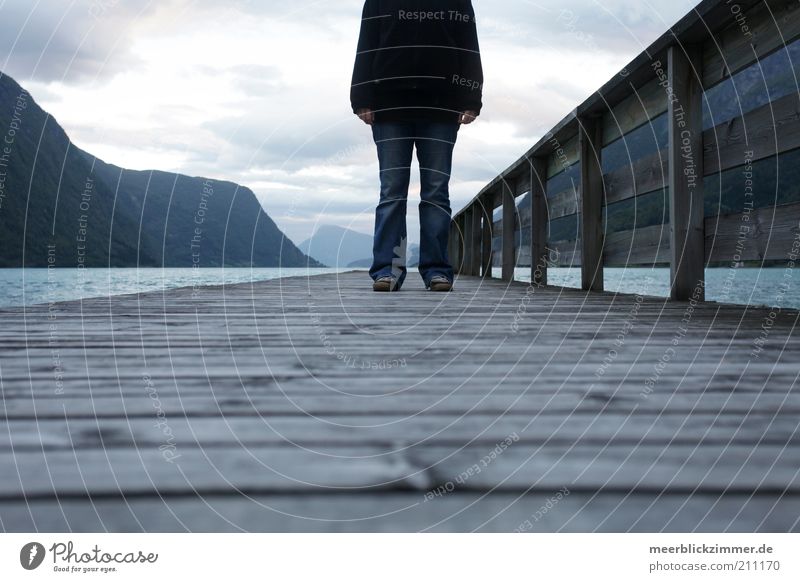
<point>417,58</point>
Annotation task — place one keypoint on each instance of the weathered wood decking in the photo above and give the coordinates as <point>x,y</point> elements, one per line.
<point>233,411</point>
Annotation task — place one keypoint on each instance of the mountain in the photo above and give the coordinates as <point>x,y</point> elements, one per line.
<point>341,247</point>
<point>60,205</point>
<point>338,247</point>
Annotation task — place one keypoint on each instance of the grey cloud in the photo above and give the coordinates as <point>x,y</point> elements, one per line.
<point>247,80</point>
<point>291,144</point>
<point>612,26</point>
<point>52,40</point>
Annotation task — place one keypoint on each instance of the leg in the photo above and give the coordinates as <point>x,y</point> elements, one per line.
<point>395,148</point>
<point>435,142</point>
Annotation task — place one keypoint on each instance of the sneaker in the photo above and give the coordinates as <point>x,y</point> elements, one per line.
<point>385,284</point>
<point>440,283</point>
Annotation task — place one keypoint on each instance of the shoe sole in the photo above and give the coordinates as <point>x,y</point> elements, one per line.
<point>383,287</point>
<point>441,287</point>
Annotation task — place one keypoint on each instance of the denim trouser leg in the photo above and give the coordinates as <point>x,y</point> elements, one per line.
<point>435,142</point>
<point>395,144</point>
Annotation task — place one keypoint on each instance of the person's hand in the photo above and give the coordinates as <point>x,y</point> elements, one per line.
<point>467,117</point>
<point>366,115</point>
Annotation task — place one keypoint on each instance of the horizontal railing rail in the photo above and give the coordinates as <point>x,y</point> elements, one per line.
<point>685,158</point>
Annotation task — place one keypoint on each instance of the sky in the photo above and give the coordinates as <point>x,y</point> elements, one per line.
<point>257,91</point>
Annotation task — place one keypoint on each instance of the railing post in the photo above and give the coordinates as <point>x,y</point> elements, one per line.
<point>590,143</point>
<point>475,242</point>
<point>458,247</point>
<point>539,220</point>
<point>509,228</point>
<point>468,246</point>
<point>686,209</point>
<point>451,245</point>
<point>487,203</point>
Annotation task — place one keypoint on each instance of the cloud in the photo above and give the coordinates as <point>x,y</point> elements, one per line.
<point>49,40</point>
<point>74,42</point>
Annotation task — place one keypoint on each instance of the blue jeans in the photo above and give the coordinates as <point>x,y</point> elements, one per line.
<point>434,142</point>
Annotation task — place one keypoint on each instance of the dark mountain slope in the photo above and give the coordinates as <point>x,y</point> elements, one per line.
<point>60,204</point>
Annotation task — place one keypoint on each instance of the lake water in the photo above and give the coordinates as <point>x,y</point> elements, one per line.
<point>773,287</point>
<point>31,286</point>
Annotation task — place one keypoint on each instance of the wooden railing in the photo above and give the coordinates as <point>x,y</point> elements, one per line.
<point>659,99</point>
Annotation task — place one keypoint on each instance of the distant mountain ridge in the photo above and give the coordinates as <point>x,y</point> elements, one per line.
<point>337,247</point>
<point>60,205</point>
<point>341,247</point>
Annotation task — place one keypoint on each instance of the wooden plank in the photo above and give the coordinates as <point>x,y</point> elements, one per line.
<point>563,157</point>
<point>487,204</point>
<point>459,511</point>
<point>525,221</point>
<point>477,245</point>
<point>538,221</point>
<point>770,26</point>
<point>641,246</point>
<point>186,329</point>
<point>771,129</point>
<point>466,225</point>
<point>280,469</point>
<point>687,272</point>
<point>524,255</point>
<point>299,372</point>
<point>469,241</point>
<point>454,243</point>
<point>273,371</point>
<point>522,185</point>
<point>643,176</point>
<point>563,204</point>
<point>591,204</point>
<point>621,395</point>
<point>570,375</point>
<point>566,253</point>
<point>760,234</point>
<point>464,245</point>
<point>509,260</point>
<point>458,240</point>
<point>640,107</point>
<point>282,364</point>
<point>451,247</point>
<point>612,429</point>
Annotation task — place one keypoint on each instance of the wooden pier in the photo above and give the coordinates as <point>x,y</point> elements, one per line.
<point>314,404</point>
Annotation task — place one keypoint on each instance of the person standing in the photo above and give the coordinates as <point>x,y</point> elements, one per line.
<point>417,78</point>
